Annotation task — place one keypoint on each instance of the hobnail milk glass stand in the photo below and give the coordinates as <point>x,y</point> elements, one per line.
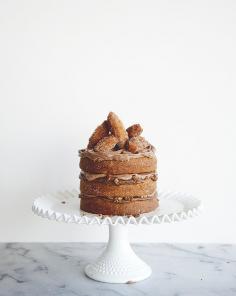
<point>118,263</point>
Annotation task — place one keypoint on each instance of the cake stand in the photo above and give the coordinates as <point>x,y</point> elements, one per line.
<point>118,263</point>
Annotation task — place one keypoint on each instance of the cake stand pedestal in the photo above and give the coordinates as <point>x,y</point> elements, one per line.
<point>118,263</point>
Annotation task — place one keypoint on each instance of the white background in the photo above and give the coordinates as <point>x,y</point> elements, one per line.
<point>169,65</point>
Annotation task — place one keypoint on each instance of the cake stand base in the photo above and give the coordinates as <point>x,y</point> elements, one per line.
<point>118,263</point>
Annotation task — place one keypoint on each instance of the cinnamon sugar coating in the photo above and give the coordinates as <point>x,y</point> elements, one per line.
<point>100,132</point>
<point>117,128</point>
<point>134,130</point>
<point>106,143</point>
<point>137,144</point>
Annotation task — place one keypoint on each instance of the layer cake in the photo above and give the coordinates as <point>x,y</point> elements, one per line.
<point>118,171</point>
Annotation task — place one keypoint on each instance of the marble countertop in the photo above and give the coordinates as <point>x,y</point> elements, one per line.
<point>57,269</point>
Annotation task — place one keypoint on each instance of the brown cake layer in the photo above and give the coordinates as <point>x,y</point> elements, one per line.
<point>134,165</point>
<point>111,206</point>
<point>147,187</point>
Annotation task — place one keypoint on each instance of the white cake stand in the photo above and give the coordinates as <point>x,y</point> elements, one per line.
<point>118,263</point>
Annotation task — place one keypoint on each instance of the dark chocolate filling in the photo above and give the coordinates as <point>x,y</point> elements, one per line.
<point>120,199</point>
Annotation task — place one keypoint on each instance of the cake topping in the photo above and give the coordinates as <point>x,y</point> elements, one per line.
<point>117,128</point>
<point>134,130</point>
<point>106,144</point>
<point>137,144</point>
<point>100,132</point>
<point>110,140</point>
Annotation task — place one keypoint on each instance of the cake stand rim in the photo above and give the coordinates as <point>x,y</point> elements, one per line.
<point>146,218</point>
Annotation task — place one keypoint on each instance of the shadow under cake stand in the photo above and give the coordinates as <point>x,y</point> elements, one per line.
<point>118,263</point>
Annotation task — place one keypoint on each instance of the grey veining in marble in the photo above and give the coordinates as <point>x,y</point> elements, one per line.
<point>57,269</point>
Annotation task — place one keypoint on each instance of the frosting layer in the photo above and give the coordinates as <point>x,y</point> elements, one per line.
<point>119,179</point>
<point>120,199</point>
<point>121,155</point>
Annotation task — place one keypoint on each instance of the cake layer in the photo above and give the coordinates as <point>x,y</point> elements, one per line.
<point>133,165</point>
<point>147,187</point>
<point>112,206</point>
<point>118,162</point>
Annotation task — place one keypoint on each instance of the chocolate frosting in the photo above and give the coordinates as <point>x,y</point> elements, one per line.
<point>121,155</point>
<point>118,179</point>
<point>120,199</point>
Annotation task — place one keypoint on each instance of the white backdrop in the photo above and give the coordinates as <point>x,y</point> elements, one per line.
<point>169,65</point>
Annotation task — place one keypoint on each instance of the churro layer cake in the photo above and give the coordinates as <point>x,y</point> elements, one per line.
<point>118,171</point>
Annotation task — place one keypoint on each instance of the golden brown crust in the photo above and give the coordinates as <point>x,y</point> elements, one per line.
<point>147,187</point>
<point>134,130</point>
<point>100,132</point>
<point>132,147</point>
<point>117,128</point>
<point>106,207</point>
<point>106,144</point>
<point>137,144</point>
<point>116,167</point>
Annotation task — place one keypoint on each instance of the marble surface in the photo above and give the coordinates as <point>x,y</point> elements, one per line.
<point>57,269</point>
